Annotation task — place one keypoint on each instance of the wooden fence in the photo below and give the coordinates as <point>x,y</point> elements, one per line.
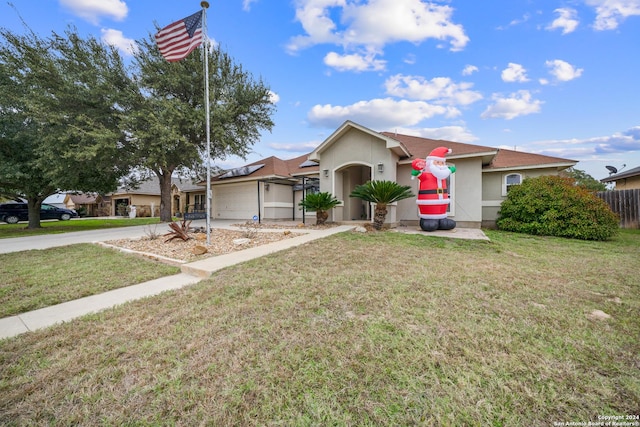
<point>625,203</point>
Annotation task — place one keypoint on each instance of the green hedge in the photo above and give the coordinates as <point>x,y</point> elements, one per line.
<point>555,206</point>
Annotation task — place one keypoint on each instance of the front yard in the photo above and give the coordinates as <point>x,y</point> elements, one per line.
<point>356,329</point>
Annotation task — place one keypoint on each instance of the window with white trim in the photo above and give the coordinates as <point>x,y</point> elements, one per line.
<point>509,180</point>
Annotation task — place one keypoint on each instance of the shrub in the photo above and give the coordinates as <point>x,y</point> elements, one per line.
<point>555,206</point>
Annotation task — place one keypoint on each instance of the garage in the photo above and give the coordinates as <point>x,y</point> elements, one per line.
<point>235,201</point>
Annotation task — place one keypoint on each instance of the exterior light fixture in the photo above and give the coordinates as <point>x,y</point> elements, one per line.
<point>380,167</point>
<point>326,173</point>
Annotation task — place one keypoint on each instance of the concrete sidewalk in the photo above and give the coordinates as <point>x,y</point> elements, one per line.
<point>192,272</point>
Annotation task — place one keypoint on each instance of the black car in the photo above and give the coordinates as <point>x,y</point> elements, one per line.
<point>11,213</point>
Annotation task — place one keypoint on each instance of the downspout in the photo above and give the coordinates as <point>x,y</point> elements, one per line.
<point>259,202</point>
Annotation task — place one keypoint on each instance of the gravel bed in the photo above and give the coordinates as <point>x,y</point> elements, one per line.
<point>222,242</point>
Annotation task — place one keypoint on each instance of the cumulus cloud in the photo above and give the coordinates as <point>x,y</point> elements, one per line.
<point>373,24</point>
<point>566,20</point>
<point>610,13</point>
<point>514,73</point>
<point>274,97</point>
<point>516,104</point>
<point>562,70</point>
<point>441,90</point>
<point>469,69</point>
<point>378,113</point>
<point>118,40</point>
<point>354,62</point>
<point>93,10</point>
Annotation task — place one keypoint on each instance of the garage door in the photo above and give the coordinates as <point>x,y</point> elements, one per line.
<point>235,201</point>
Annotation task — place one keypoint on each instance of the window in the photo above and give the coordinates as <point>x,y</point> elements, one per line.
<point>509,180</point>
<point>200,203</point>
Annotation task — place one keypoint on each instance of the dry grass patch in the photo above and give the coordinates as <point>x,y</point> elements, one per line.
<point>373,329</point>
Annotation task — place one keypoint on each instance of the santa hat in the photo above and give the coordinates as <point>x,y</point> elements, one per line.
<point>438,153</point>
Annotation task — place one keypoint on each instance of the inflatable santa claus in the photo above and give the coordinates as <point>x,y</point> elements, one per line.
<point>433,197</point>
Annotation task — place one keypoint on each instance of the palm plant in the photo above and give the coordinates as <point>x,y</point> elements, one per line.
<point>320,203</point>
<point>381,193</point>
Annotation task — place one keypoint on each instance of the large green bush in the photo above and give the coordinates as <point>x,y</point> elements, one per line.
<point>555,206</point>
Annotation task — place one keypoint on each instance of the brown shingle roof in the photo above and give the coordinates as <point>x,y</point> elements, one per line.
<point>421,147</point>
<point>511,159</point>
<point>275,167</point>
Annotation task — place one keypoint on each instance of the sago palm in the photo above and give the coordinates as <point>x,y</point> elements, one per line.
<point>381,193</point>
<point>320,203</point>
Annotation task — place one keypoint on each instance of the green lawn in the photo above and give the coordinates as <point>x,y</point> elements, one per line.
<point>354,330</point>
<point>54,227</point>
<point>39,278</point>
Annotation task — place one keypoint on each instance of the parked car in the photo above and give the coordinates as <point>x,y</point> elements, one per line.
<point>11,213</point>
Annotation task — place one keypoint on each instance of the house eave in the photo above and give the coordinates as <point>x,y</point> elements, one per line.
<point>558,166</point>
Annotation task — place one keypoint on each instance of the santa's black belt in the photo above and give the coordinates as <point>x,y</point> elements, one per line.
<point>438,191</point>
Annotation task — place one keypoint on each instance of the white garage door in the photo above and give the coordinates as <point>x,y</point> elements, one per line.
<point>235,201</point>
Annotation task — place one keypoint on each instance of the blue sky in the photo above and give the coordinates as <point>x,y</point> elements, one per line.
<point>560,78</point>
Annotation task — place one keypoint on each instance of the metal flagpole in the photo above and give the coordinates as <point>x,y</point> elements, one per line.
<point>205,6</point>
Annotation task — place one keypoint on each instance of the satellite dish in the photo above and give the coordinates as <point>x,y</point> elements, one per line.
<point>612,170</point>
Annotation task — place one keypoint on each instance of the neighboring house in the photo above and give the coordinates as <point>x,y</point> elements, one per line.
<point>146,197</point>
<point>57,200</point>
<point>86,204</point>
<point>271,188</point>
<point>627,180</point>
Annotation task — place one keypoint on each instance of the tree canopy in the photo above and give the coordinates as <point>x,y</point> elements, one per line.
<point>63,104</point>
<point>168,123</point>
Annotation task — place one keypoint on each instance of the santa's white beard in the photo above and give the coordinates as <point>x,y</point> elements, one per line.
<point>441,172</point>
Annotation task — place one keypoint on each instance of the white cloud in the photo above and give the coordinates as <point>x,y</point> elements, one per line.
<point>563,71</point>
<point>620,142</point>
<point>93,10</point>
<point>517,104</point>
<point>274,97</point>
<point>514,73</point>
<point>115,38</point>
<point>354,62</point>
<point>246,4</point>
<point>469,69</point>
<point>447,133</point>
<point>610,13</point>
<point>375,23</point>
<point>442,90</point>
<point>378,113</point>
<point>566,20</point>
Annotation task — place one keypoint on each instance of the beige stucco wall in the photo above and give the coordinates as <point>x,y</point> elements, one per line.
<point>341,160</point>
<point>628,183</point>
<point>492,190</point>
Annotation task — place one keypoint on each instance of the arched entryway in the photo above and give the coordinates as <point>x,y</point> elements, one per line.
<point>347,178</point>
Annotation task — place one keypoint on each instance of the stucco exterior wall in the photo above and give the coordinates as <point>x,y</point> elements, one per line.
<point>628,183</point>
<point>493,190</point>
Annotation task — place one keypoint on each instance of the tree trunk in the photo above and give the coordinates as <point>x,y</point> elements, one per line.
<point>34,206</point>
<point>165,196</point>
<point>321,217</point>
<point>379,216</point>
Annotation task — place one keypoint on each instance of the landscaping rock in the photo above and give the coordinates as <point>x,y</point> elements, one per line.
<point>598,315</point>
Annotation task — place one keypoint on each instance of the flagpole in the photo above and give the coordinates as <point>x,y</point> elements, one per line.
<point>205,6</point>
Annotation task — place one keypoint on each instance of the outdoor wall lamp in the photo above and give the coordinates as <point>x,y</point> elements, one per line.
<point>326,173</point>
<point>380,167</point>
<point>266,186</point>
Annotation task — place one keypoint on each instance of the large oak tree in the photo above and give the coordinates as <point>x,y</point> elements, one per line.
<point>62,107</point>
<point>169,122</point>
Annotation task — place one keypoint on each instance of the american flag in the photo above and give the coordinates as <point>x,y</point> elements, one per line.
<point>179,39</point>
